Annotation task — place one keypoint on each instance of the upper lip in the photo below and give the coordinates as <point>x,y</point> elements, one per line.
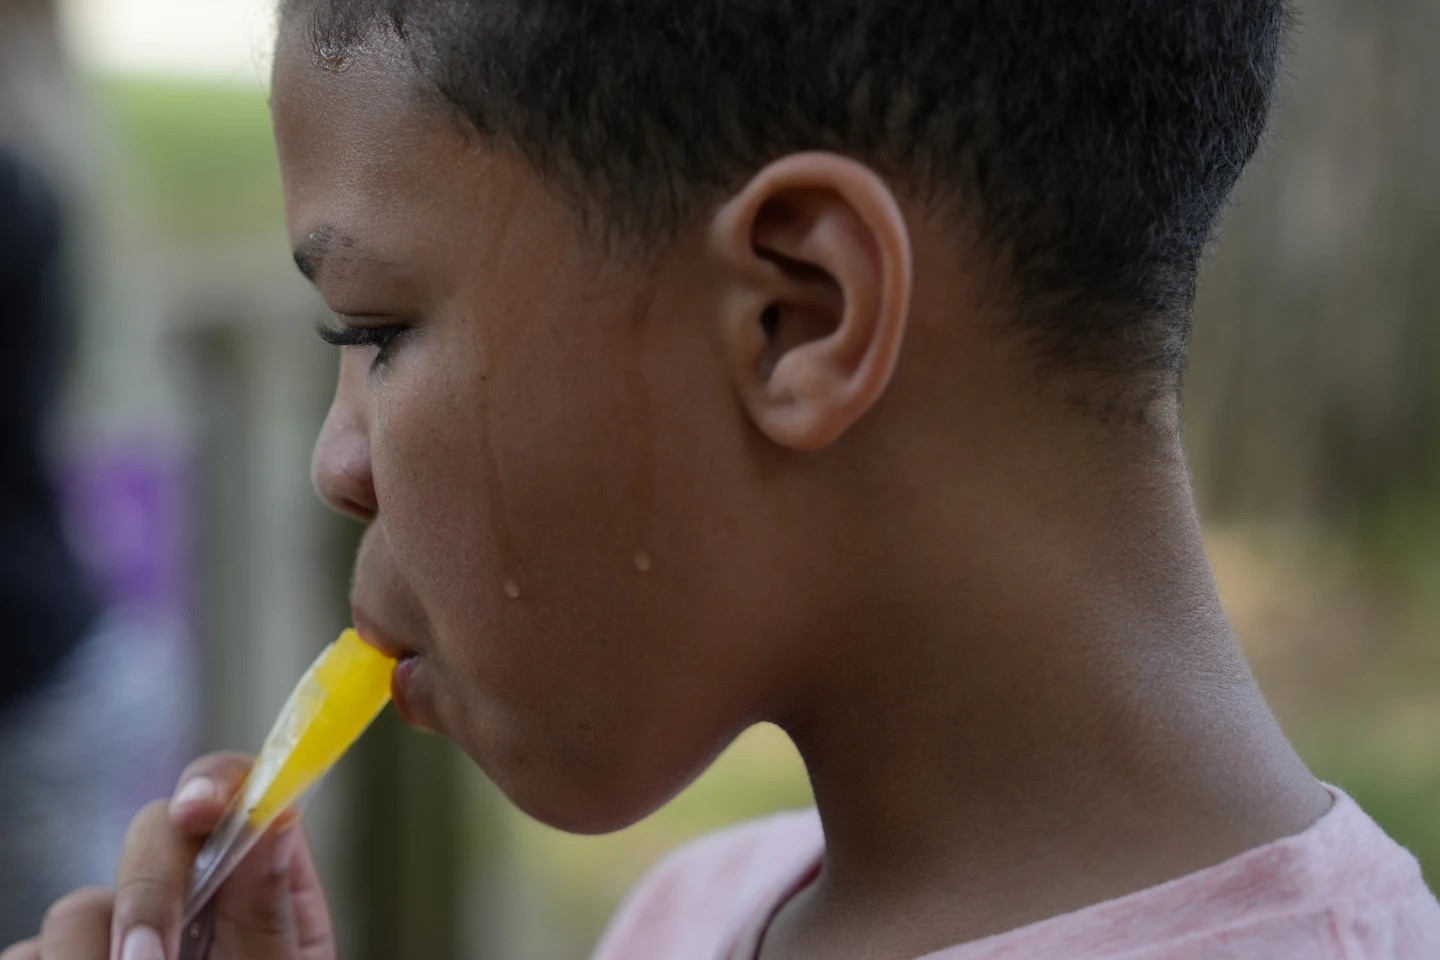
<point>373,634</point>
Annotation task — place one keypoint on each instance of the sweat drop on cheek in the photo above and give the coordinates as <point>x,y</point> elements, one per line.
<point>330,707</point>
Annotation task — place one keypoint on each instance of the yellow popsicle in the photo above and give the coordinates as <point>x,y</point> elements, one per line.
<point>348,684</point>
<point>330,707</point>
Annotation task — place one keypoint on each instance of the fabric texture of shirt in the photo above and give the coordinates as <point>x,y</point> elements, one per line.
<point>1339,890</point>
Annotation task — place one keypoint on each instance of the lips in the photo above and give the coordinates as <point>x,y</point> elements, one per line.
<point>403,689</point>
<point>402,681</point>
<point>371,633</point>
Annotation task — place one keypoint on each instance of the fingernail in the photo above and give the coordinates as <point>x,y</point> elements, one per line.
<point>201,789</point>
<point>142,943</point>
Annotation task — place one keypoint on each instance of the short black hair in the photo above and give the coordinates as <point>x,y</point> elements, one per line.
<point>1090,144</point>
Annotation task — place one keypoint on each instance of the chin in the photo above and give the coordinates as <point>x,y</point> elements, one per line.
<point>584,821</point>
<point>560,800</point>
<point>588,812</point>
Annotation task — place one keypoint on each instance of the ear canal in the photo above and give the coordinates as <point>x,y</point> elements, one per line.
<point>770,321</point>
<point>769,355</point>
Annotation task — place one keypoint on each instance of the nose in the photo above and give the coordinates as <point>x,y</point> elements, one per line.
<point>340,463</point>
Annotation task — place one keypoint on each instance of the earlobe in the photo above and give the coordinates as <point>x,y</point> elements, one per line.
<point>819,262</point>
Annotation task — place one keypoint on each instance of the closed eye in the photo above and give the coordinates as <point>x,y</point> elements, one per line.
<point>382,336</point>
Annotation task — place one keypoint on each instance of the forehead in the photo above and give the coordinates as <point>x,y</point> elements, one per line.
<point>357,123</point>
<point>372,167</point>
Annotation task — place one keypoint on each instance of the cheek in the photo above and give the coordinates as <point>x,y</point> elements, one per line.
<point>565,560</point>
<point>519,518</point>
<point>511,490</point>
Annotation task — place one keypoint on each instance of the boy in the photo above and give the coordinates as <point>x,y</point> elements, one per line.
<point>718,362</point>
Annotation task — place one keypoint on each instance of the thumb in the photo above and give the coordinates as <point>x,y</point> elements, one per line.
<point>255,909</point>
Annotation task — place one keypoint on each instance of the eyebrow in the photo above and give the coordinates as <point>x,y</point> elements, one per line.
<point>310,253</point>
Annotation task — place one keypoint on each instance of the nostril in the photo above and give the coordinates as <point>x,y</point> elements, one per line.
<point>349,494</point>
<point>346,491</point>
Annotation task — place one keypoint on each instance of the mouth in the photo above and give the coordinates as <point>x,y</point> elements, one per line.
<point>375,636</point>
<point>405,688</point>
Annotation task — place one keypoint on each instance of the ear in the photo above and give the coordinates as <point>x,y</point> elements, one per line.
<point>820,271</point>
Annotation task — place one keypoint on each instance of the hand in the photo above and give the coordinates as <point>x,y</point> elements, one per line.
<point>271,908</point>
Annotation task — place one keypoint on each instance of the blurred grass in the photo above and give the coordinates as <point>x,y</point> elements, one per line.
<point>1341,629</point>
<point>200,155</point>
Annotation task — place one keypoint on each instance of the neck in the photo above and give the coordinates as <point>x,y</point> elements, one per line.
<point>1055,713</point>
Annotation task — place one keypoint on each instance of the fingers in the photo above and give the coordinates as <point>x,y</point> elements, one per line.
<point>255,909</point>
<point>150,886</point>
<point>273,904</point>
<point>77,927</point>
<point>313,929</point>
<point>273,908</point>
<point>205,788</point>
<point>25,950</point>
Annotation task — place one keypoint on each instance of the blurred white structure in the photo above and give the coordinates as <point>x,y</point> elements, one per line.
<point>227,40</point>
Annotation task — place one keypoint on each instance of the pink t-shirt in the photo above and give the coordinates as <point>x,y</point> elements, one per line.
<point>1339,890</point>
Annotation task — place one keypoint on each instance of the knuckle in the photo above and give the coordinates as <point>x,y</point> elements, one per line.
<point>153,869</point>
<point>133,889</point>
<point>25,950</point>
<point>151,816</point>
<point>77,905</point>
<point>146,827</point>
<point>270,920</point>
<point>267,918</point>
<point>145,899</point>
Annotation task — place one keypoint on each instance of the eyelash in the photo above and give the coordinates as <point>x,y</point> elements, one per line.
<point>347,336</point>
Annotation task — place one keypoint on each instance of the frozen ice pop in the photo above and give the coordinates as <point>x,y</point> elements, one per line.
<point>344,689</point>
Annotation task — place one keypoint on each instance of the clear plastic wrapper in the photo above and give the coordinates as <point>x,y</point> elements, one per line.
<point>336,699</point>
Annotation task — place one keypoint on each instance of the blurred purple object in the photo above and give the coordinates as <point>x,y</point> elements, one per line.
<point>126,504</point>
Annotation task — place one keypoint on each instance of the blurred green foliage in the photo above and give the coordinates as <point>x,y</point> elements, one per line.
<point>201,155</point>
<point>1386,746</point>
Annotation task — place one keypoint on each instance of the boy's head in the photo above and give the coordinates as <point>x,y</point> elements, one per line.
<point>692,324</point>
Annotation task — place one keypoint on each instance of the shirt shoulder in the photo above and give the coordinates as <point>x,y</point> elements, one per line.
<point>1382,908</point>
<point>699,899</point>
<point>1340,890</point>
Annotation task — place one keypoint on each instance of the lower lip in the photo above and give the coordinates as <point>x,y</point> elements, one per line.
<point>402,685</point>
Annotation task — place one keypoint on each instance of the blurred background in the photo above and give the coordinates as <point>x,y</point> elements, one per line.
<point>180,444</point>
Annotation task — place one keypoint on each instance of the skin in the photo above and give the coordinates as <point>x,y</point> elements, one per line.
<point>791,468</point>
